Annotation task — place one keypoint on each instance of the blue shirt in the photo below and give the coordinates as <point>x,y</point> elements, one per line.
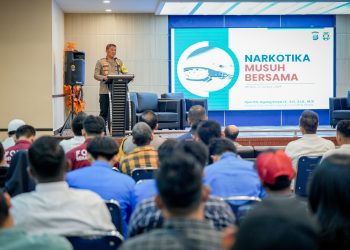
<point>186,136</point>
<point>231,176</point>
<point>143,190</point>
<point>108,183</point>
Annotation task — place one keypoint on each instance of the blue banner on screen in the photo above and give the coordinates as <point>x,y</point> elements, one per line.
<point>254,68</point>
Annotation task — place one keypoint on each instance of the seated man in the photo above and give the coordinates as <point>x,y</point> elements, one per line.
<point>196,114</point>
<point>231,132</point>
<point>78,139</point>
<point>102,179</point>
<point>12,238</point>
<point>230,175</point>
<point>207,130</point>
<point>143,155</point>
<point>11,131</point>
<point>93,126</point>
<point>54,207</point>
<point>150,118</point>
<point>181,198</point>
<point>310,144</point>
<point>24,138</point>
<point>343,139</point>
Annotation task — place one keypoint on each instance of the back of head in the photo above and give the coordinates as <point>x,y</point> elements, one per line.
<point>4,209</point>
<point>47,159</point>
<point>218,146</point>
<point>141,134</point>
<point>94,125</point>
<point>343,128</point>
<point>197,149</point>
<point>309,121</point>
<point>329,199</point>
<point>231,132</point>
<point>103,146</point>
<point>25,131</point>
<point>150,118</point>
<point>197,113</point>
<point>179,182</point>
<point>166,149</point>
<point>275,170</point>
<point>208,130</point>
<point>77,124</point>
<point>14,125</point>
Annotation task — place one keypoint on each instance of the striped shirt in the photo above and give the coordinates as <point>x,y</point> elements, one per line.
<point>140,157</point>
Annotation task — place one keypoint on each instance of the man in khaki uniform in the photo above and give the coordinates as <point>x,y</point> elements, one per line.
<point>109,65</point>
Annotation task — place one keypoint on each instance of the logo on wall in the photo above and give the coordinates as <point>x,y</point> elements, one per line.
<point>315,35</point>
<point>326,36</point>
<point>203,69</point>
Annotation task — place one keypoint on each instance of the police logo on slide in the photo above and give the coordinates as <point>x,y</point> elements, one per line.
<point>202,69</point>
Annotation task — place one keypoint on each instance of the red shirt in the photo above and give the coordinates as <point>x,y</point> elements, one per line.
<point>78,156</point>
<point>11,151</point>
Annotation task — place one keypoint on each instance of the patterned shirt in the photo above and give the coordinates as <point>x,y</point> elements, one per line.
<point>140,157</point>
<point>147,216</point>
<point>178,234</point>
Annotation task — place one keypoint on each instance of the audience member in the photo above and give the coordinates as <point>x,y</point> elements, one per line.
<point>12,238</point>
<point>208,130</point>
<point>147,216</point>
<point>144,155</point>
<point>310,144</point>
<point>78,139</point>
<point>196,114</point>
<point>24,138</point>
<point>150,118</point>
<point>181,198</point>
<point>343,139</point>
<point>93,126</point>
<point>329,199</point>
<point>231,132</point>
<point>54,207</point>
<point>102,179</point>
<point>230,175</point>
<point>11,132</point>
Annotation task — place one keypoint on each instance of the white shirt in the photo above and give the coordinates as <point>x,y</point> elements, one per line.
<point>343,149</point>
<point>309,145</point>
<point>54,208</point>
<point>8,142</point>
<point>69,144</point>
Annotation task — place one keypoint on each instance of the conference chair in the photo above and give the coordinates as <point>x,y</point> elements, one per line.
<point>104,241</point>
<point>240,205</point>
<point>3,173</point>
<point>305,167</point>
<point>139,174</point>
<point>116,214</point>
<point>339,109</point>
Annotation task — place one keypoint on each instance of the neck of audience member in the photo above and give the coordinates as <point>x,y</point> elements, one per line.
<point>23,138</point>
<point>216,158</point>
<point>343,140</point>
<point>198,214</point>
<point>42,180</point>
<point>8,223</point>
<point>304,132</point>
<point>3,162</point>
<point>283,192</point>
<point>91,136</point>
<point>111,162</point>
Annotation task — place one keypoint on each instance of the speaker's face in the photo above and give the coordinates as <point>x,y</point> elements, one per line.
<point>111,52</point>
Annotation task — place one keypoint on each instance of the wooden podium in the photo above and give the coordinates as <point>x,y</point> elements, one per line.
<point>119,108</point>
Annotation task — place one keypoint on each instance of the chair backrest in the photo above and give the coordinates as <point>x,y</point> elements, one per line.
<point>305,167</point>
<point>105,241</point>
<point>3,173</point>
<point>116,214</point>
<point>173,95</point>
<point>147,101</point>
<point>143,173</point>
<point>240,205</point>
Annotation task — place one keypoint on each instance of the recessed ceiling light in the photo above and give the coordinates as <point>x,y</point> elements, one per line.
<point>108,10</point>
<point>106,1</point>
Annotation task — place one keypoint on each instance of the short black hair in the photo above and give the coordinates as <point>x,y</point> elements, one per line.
<point>179,182</point>
<point>208,130</point>
<point>77,124</point>
<point>197,149</point>
<point>94,125</point>
<point>141,134</point>
<point>4,209</point>
<point>166,149</point>
<point>102,146</point>
<point>218,146</point>
<point>329,199</point>
<point>231,135</point>
<point>26,131</point>
<point>2,152</point>
<point>150,118</point>
<point>309,121</point>
<point>196,113</point>
<point>47,159</point>
<point>281,182</point>
<point>343,127</point>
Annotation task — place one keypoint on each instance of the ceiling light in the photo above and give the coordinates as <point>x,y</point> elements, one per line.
<point>106,1</point>
<point>108,10</point>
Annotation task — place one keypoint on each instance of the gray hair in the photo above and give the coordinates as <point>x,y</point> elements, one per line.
<point>141,134</point>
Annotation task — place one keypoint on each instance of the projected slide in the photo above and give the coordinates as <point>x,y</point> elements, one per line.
<point>254,68</point>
